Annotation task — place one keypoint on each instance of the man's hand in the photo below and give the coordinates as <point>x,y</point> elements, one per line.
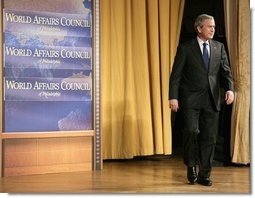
<point>229,97</point>
<point>174,105</point>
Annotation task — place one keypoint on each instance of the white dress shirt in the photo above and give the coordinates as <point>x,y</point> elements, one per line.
<point>200,42</point>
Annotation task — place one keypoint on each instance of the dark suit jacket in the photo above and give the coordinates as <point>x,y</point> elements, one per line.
<point>190,80</point>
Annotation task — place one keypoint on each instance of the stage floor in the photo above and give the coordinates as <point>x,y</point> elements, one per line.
<point>147,175</point>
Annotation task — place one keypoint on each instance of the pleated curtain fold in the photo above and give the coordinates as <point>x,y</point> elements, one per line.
<point>237,24</point>
<point>138,44</point>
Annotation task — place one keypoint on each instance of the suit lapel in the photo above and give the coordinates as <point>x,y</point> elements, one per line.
<point>197,52</point>
<point>212,54</point>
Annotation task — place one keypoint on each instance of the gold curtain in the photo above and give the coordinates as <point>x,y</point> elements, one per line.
<point>237,22</point>
<point>138,43</point>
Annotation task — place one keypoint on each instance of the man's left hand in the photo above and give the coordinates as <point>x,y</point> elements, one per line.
<point>229,97</point>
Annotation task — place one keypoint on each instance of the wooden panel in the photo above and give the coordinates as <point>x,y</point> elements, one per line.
<point>47,155</point>
<point>16,135</point>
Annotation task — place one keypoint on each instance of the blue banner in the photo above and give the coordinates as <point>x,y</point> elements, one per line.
<point>47,23</point>
<point>37,116</point>
<point>74,88</point>
<point>49,57</point>
<point>48,68</point>
<point>21,39</point>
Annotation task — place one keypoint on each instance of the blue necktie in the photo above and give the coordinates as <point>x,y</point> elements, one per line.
<point>205,55</point>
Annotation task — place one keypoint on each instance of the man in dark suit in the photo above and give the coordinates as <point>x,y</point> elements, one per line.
<point>200,68</point>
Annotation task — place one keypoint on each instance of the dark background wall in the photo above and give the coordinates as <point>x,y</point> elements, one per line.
<point>193,8</point>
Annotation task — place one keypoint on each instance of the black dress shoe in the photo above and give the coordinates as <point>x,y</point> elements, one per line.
<point>205,181</point>
<point>192,175</point>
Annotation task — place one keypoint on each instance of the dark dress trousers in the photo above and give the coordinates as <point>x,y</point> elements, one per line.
<point>198,91</point>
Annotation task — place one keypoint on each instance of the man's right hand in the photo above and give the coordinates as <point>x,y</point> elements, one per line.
<point>174,105</point>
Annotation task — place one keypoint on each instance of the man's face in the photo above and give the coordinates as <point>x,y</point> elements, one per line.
<point>207,30</point>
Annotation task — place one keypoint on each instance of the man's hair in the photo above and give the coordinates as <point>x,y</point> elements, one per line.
<point>199,22</point>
